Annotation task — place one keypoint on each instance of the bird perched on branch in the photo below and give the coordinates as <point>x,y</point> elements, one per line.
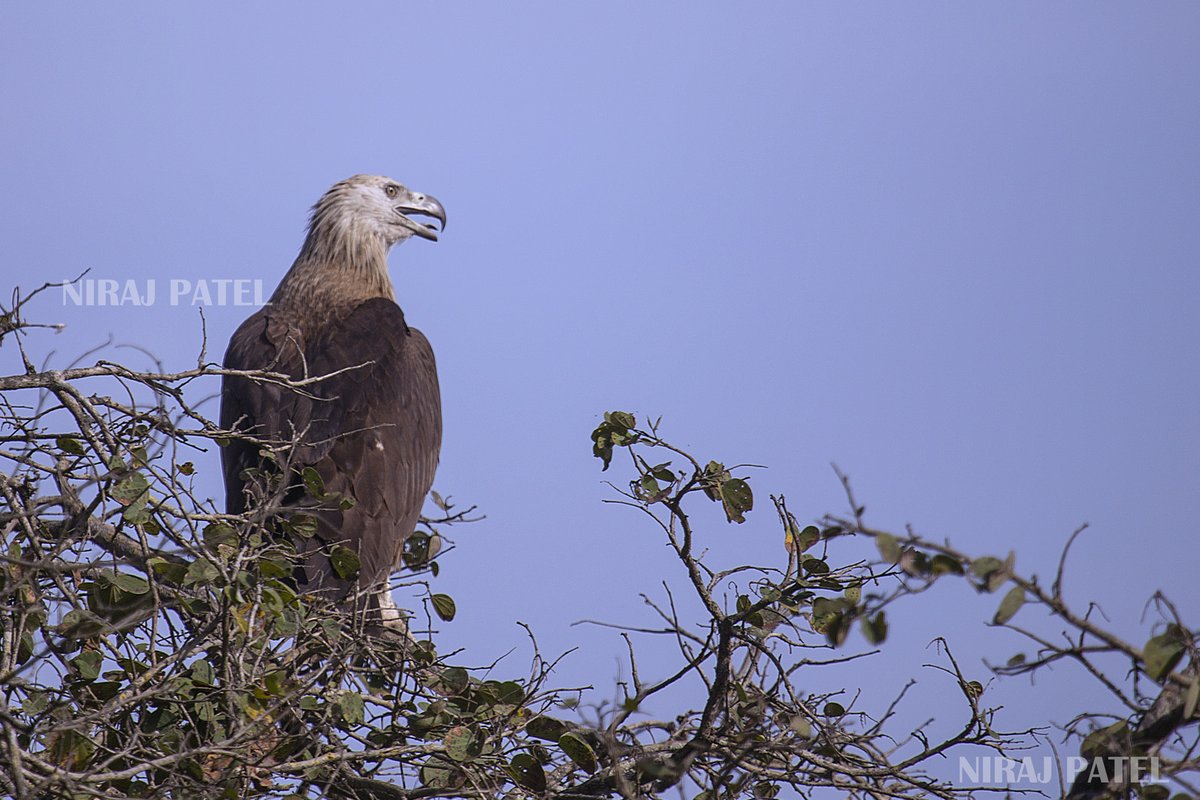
<point>356,451</point>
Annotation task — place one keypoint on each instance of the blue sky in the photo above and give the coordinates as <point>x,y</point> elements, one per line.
<point>952,247</point>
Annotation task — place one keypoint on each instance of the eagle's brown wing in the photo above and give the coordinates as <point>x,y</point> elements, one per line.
<point>372,433</point>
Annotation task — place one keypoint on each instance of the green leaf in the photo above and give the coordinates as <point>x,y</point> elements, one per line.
<point>508,692</point>
<point>276,683</point>
<point>350,705</point>
<point>528,772</point>
<point>187,468</point>
<point>992,572</point>
<point>546,728</point>
<point>815,566</point>
<point>130,488</point>
<point>914,562</point>
<point>1006,571</point>
<point>984,566</point>
<point>168,571</point>
<point>218,533</point>
<point>834,710</point>
<point>662,472</point>
<point>135,505</point>
<point>737,499</point>
<point>278,566</point>
<point>302,525</point>
<point>648,489</point>
<point>714,475</point>
<point>824,611</point>
<point>129,583</point>
<point>801,726</point>
<point>838,629</point>
<point>832,618</point>
<point>72,747</point>
<point>853,594</point>
<point>35,702</point>
<point>1191,698</point>
<point>805,539</point>
<point>614,431</point>
<point>438,773</point>
<point>140,457</point>
<point>136,513</point>
<point>331,629</point>
<point>201,571</point>
<point>105,690</point>
<point>875,628</point>
<point>417,550</point>
<point>454,679</point>
<point>621,418</point>
<point>202,672</point>
<point>88,664</point>
<point>1009,606</point>
<point>1163,652</point>
<point>579,751</point>
<point>461,744</point>
<point>889,547</point>
<point>344,561</point>
<point>69,445</point>
<point>443,606</point>
<point>765,790</point>
<point>80,624</point>
<point>943,564</point>
<point>313,482</point>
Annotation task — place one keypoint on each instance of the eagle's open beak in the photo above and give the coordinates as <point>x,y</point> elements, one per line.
<point>426,205</point>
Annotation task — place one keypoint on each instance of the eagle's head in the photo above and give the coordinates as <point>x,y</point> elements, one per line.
<point>372,206</point>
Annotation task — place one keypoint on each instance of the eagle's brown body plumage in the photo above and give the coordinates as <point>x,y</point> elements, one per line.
<point>372,431</point>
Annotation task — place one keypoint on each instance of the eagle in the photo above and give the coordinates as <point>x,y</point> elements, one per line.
<point>352,454</point>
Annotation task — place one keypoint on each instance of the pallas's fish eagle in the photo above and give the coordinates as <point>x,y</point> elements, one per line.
<point>372,431</point>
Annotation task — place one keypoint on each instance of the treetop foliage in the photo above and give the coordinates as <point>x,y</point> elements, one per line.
<point>153,646</point>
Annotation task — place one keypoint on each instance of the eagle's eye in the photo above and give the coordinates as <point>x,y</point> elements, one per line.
<point>391,189</point>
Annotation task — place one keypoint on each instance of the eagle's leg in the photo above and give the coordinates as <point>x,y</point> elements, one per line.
<point>390,616</point>
<point>389,613</point>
